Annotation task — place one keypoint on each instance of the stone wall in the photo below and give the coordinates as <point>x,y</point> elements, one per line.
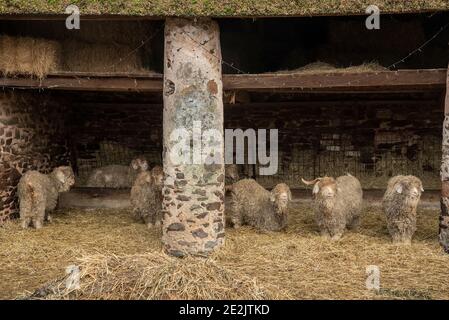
<point>371,140</point>
<point>113,133</point>
<point>32,137</point>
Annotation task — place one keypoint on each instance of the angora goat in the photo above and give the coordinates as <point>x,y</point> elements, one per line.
<point>252,205</point>
<point>117,176</point>
<point>38,194</point>
<point>338,203</point>
<point>399,203</point>
<point>146,197</point>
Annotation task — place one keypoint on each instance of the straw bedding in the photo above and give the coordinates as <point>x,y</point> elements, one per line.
<point>324,67</point>
<point>120,259</point>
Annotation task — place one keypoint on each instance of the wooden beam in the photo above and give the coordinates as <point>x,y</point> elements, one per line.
<point>89,82</point>
<point>333,103</point>
<point>371,81</point>
<point>274,105</point>
<point>384,81</point>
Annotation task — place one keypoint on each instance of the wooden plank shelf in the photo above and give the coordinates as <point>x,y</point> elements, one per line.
<point>379,81</point>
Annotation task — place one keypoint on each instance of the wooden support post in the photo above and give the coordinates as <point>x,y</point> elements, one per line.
<point>444,217</point>
<point>193,203</point>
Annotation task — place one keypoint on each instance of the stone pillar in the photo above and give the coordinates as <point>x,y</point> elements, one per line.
<point>193,203</point>
<point>444,217</point>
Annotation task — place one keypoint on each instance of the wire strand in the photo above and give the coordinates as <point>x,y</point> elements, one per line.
<point>231,65</point>
<point>144,42</point>
<point>419,49</point>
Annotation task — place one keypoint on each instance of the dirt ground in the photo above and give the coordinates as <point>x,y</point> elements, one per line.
<point>298,261</point>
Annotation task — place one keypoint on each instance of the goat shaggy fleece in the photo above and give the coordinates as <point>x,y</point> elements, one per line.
<point>117,176</point>
<point>338,203</point>
<point>399,204</point>
<point>252,205</point>
<point>146,197</point>
<point>38,194</point>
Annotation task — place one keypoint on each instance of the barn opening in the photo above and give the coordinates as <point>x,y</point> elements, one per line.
<point>327,83</point>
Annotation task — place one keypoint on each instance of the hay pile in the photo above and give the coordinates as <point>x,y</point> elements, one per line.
<point>30,258</point>
<point>28,56</point>
<point>323,67</point>
<point>310,267</point>
<point>154,276</point>
<point>97,47</point>
<point>121,259</point>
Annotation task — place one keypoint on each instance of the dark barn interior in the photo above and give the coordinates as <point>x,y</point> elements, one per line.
<point>373,132</point>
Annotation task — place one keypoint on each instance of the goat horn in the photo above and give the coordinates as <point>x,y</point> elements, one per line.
<point>310,182</point>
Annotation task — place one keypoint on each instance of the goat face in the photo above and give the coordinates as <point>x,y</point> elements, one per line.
<point>157,174</point>
<point>280,197</point>
<point>65,177</point>
<point>139,164</point>
<point>411,189</point>
<point>323,188</point>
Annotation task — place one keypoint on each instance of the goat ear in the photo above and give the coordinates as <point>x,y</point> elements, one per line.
<point>134,165</point>
<point>316,188</point>
<point>398,188</point>
<point>422,189</point>
<point>272,197</point>
<point>289,195</point>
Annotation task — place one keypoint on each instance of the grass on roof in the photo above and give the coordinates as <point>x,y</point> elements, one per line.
<point>218,8</point>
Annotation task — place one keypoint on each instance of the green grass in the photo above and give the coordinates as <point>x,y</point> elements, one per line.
<point>218,8</point>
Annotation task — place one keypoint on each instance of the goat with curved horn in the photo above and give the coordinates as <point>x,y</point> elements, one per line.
<point>310,182</point>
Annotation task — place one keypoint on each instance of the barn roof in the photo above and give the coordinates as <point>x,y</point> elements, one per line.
<point>219,8</point>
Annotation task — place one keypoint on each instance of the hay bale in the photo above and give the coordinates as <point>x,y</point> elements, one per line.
<point>7,54</point>
<point>46,57</point>
<point>82,56</point>
<point>154,276</point>
<point>28,56</point>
